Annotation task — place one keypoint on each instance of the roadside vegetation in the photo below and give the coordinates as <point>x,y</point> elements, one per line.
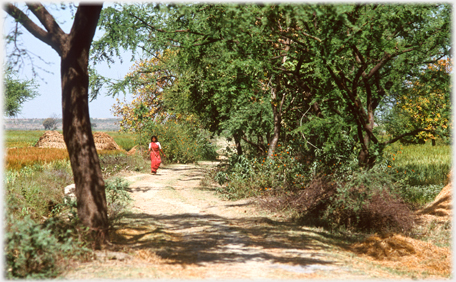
<point>42,230</point>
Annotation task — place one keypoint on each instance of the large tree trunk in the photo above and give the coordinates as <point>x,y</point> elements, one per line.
<point>73,49</point>
<point>77,132</point>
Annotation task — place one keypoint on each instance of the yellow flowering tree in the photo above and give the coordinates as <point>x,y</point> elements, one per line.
<point>147,81</point>
<point>425,104</point>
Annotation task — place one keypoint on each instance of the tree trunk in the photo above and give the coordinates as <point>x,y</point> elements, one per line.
<point>237,142</point>
<point>277,115</point>
<point>77,132</point>
<point>365,159</point>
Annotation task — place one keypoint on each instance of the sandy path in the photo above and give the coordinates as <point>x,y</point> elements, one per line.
<point>178,229</point>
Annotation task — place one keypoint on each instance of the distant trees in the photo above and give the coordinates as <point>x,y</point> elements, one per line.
<point>50,123</point>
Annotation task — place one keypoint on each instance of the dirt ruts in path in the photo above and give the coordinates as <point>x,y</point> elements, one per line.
<point>179,229</point>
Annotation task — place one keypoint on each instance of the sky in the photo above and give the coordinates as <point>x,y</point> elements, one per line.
<point>49,101</point>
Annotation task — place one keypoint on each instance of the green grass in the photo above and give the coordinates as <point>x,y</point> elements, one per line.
<point>125,140</point>
<point>22,138</point>
<point>420,164</point>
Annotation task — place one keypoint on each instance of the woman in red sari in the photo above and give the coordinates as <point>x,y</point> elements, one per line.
<point>154,150</point>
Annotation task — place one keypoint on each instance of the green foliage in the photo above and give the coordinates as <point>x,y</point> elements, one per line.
<point>34,190</point>
<point>16,92</point>
<point>34,252</point>
<point>244,177</point>
<point>117,197</point>
<point>120,161</point>
<point>240,66</point>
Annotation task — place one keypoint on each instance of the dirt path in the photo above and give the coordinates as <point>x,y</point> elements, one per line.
<point>180,230</point>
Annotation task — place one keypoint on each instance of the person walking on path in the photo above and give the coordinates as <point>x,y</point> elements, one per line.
<point>154,150</point>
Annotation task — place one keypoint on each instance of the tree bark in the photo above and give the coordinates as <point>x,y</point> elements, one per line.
<point>73,49</point>
<point>277,115</point>
<point>77,132</point>
<point>237,141</point>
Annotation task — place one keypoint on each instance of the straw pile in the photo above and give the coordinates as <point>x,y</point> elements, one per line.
<point>132,151</point>
<point>104,142</point>
<point>397,251</point>
<point>53,139</point>
<point>441,206</point>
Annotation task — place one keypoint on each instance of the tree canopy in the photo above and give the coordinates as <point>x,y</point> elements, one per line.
<point>276,72</point>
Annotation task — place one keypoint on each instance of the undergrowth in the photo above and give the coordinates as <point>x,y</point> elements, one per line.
<point>43,233</point>
<point>338,194</point>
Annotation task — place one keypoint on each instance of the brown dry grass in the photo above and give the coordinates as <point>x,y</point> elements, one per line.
<point>17,158</point>
<point>399,252</point>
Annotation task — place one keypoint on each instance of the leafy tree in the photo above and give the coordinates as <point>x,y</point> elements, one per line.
<point>16,92</point>
<point>370,51</point>
<point>73,49</point>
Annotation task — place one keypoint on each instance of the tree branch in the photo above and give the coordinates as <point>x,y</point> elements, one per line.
<point>406,134</point>
<point>32,27</point>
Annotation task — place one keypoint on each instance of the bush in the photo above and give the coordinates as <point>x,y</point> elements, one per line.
<point>35,190</point>
<point>34,252</point>
<point>363,200</point>
<point>243,176</point>
<point>117,197</point>
<point>119,161</point>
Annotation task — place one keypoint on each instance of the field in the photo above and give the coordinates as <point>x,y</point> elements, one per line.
<point>21,151</point>
<point>421,164</point>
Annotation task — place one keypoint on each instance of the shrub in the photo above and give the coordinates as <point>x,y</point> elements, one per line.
<point>34,190</point>
<point>34,252</point>
<point>363,200</point>
<point>120,161</point>
<point>244,176</point>
<point>117,197</point>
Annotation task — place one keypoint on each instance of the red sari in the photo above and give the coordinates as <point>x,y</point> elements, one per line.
<point>155,159</point>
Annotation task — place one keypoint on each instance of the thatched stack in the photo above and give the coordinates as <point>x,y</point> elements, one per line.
<point>53,139</point>
<point>104,142</point>
<point>441,206</point>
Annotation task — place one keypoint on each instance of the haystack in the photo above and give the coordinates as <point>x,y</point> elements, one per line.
<point>441,206</point>
<point>53,139</point>
<point>397,251</point>
<point>132,151</point>
<point>104,142</point>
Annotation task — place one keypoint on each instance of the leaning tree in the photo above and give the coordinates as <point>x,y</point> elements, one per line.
<point>73,49</point>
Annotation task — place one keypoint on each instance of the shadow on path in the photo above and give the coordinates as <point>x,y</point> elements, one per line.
<point>206,238</point>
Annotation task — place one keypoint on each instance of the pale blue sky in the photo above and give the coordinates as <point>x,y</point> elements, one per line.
<point>48,103</point>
